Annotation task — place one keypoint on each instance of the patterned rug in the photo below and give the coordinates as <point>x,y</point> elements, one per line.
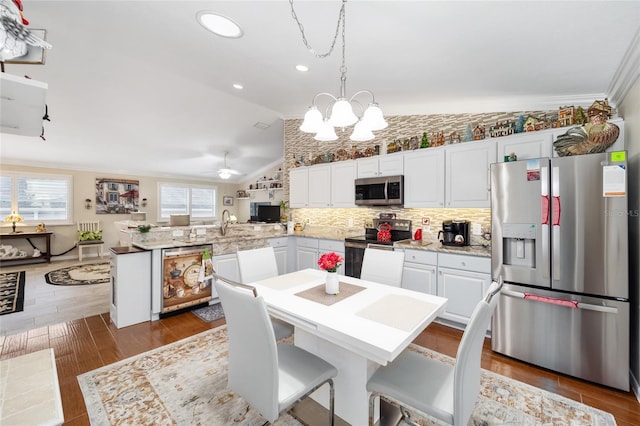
<point>11,292</point>
<point>184,383</point>
<point>209,313</point>
<point>95,273</point>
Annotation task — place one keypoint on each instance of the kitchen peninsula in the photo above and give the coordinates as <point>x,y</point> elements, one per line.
<point>462,270</point>
<point>165,241</point>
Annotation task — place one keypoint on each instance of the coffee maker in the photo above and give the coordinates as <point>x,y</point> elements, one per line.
<point>454,233</point>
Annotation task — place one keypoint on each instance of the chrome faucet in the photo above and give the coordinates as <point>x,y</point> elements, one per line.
<point>225,222</point>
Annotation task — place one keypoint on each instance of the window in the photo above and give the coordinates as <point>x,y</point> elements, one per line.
<point>37,197</point>
<point>195,200</point>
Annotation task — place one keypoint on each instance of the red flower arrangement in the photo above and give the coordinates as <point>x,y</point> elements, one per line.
<point>330,261</point>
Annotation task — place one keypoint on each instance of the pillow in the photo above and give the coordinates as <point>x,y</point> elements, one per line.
<point>89,235</point>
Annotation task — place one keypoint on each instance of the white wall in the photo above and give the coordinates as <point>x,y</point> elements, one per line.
<point>64,236</point>
<point>630,111</point>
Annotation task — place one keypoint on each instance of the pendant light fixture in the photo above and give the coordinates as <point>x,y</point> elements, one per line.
<point>340,111</point>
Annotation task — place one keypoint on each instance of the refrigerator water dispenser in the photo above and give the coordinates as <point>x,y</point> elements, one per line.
<point>519,244</point>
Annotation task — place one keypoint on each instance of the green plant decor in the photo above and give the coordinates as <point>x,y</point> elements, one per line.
<point>89,235</point>
<point>144,228</point>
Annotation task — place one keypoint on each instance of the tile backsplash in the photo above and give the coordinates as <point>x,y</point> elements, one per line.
<point>355,218</point>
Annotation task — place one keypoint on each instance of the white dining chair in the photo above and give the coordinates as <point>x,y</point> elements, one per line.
<point>382,266</point>
<point>446,392</point>
<point>260,264</point>
<point>271,377</point>
<point>257,264</point>
<point>85,227</point>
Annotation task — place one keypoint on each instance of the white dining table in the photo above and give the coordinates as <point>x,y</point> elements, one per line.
<point>365,326</point>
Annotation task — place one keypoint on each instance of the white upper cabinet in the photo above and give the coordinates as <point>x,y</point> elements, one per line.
<point>467,167</point>
<point>323,185</point>
<point>320,186</point>
<point>525,146</point>
<point>424,178</point>
<point>343,192</point>
<point>299,187</point>
<point>381,165</point>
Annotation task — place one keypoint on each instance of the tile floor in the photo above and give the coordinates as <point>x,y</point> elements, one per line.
<point>47,304</point>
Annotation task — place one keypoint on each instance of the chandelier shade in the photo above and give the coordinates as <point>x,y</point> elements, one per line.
<point>342,114</point>
<point>312,121</point>
<point>361,132</point>
<point>373,117</point>
<point>326,133</point>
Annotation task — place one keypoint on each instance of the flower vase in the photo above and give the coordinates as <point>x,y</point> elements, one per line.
<point>332,283</point>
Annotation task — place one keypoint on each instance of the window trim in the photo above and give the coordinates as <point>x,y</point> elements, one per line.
<point>16,175</point>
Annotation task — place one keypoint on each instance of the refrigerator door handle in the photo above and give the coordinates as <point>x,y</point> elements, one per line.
<point>544,221</point>
<point>555,221</point>
<point>544,210</point>
<point>555,224</point>
<point>573,304</point>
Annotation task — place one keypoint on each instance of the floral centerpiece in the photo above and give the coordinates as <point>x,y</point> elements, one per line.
<point>330,262</point>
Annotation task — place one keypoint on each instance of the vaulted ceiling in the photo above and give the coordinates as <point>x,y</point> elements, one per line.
<point>139,87</point>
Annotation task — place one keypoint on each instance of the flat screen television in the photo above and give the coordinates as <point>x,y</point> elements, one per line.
<point>269,214</point>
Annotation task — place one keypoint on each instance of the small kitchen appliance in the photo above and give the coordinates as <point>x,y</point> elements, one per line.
<point>454,233</point>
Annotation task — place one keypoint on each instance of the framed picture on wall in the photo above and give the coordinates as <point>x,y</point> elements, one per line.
<point>227,200</point>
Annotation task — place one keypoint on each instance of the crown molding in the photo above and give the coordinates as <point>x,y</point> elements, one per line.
<point>627,73</point>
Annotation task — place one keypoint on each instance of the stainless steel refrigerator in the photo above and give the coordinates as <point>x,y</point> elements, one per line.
<point>559,240</point>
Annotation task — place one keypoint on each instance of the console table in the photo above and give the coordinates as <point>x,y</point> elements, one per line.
<point>45,256</point>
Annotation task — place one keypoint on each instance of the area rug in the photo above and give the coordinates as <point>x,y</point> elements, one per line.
<point>184,383</point>
<point>95,273</point>
<point>209,313</point>
<point>11,292</point>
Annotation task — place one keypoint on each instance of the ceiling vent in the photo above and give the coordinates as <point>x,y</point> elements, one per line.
<point>261,126</point>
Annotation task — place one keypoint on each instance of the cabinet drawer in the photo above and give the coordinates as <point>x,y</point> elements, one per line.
<point>278,242</point>
<point>466,263</point>
<point>307,242</point>
<point>330,245</point>
<point>421,256</point>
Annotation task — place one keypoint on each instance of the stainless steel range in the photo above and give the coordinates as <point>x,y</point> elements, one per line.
<point>354,247</point>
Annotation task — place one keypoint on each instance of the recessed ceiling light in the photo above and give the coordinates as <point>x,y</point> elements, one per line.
<point>219,24</point>
<point>238,86</point>
<point>302,68</point>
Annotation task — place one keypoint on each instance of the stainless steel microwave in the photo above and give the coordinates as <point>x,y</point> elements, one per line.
<point>380,191</point>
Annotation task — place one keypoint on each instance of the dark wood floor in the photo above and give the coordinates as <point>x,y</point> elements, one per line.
<point>83,345</point>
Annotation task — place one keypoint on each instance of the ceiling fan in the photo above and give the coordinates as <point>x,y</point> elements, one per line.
<point>226,172</point>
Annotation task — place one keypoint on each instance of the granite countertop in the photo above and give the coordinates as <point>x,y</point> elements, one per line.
<point>328,233</point>
<point>126,250</point>
<point>473,250</point>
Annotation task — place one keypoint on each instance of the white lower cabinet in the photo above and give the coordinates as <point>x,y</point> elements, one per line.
<point>327,246</point>
<point>419,271</point>
<point>281,248</point>
<point>227,266</point>
<point>463,280</point>
<point>306,253</point>
<point>130,288</point>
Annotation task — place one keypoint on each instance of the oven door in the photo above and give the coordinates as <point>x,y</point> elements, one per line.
<point>353,255</point>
